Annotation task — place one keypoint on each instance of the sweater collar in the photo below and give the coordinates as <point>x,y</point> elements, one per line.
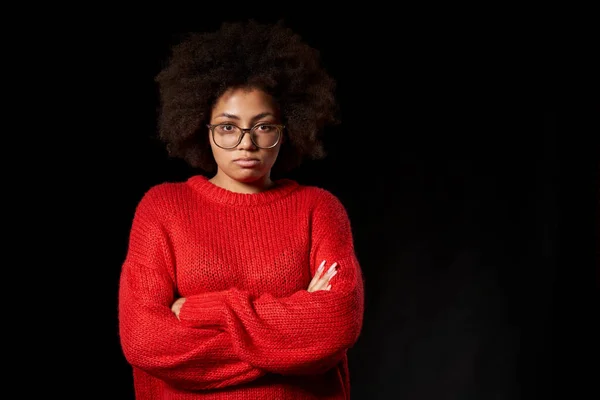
<point>212,192</point>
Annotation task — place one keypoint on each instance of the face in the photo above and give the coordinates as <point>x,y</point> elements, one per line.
<point>244,108</point>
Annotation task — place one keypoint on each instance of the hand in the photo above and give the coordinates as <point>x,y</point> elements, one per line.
<point>321,281</point>
<point>176,307</point>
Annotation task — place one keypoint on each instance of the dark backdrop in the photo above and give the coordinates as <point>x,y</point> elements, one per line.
<point>473,214</point>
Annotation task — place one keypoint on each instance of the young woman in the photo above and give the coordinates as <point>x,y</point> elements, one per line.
<point>237,285</point>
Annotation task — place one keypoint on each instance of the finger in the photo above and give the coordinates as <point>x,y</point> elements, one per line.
<point>321,282</point>
<point>331,275</point>
<point>319,286</point>
<point>332,267</point>
<point>317,277</point>
<point>321,268</point>
<point>332,270</point>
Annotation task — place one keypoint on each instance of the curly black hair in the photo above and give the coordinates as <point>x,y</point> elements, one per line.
<point>267,56</point>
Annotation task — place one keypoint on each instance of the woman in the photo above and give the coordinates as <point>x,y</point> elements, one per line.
<point>241,286</point>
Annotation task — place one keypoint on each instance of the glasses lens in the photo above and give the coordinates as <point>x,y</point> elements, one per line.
<point>265,135</point>
<point>227,136</point>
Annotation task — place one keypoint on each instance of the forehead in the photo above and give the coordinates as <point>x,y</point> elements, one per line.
<point>244,102</point>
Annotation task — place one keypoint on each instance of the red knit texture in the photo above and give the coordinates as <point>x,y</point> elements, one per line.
<point>249,329</point>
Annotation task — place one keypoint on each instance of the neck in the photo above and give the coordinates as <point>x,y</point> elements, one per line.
<point>257,186</point>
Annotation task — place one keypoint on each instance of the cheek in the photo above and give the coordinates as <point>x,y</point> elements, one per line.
<point>219,154</point>
<point>271,156</point>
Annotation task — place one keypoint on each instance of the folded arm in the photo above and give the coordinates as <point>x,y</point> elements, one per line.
<point>152,338</point>
<point>304,333</point>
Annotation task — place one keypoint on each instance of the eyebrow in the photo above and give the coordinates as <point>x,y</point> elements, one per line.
<point>233,116</point>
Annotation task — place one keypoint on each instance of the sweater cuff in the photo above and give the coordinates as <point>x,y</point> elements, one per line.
<point>204,310</point>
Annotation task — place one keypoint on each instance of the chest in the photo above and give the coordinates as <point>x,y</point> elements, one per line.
<point>253,250</point>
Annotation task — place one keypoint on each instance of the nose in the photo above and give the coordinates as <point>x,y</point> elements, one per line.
<point>246,142</point>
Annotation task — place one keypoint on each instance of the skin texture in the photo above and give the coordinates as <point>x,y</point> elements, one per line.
<point>244,107</point>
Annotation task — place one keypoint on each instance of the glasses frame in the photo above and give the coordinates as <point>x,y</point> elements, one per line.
<point>279,127</point>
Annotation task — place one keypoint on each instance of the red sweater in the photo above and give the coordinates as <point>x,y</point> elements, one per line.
<point>249,328</point>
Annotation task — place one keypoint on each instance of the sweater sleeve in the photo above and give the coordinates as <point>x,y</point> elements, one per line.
<point>152,338</point>
<point>304,333</point>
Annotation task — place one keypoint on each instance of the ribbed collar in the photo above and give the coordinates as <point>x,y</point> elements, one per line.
<point>212,192</point>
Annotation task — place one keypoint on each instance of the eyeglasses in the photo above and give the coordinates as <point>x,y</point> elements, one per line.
<point>229,136</point>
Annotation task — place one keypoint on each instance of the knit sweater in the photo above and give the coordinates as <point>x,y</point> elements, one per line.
<point>249,328</point>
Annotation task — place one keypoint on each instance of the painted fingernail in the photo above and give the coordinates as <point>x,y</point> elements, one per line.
<point>332,268</point>
<point>322,266</point>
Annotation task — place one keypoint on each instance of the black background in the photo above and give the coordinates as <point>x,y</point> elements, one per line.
<point>474,217</point>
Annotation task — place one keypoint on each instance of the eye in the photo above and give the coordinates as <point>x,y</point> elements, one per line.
<point>225,128</point>
<point>265,128</point>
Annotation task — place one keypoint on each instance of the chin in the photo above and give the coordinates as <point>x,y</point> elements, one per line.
<point>248,175</point>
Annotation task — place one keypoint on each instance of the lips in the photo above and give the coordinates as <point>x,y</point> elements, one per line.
<point>247,162</point>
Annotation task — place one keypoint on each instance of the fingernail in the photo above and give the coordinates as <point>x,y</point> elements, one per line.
<point>332,267</point>
<point>322,266</point>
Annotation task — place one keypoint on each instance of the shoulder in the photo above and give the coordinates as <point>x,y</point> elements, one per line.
<point>317,192</point>
<point>164,191</point>
<point>327,212</point>
<point>321,198</point>
<point>161,198</point>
